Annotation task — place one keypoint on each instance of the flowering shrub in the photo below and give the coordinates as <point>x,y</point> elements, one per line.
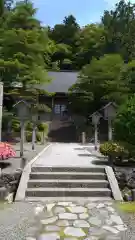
<point>6,151</point>
<point>114,150</point>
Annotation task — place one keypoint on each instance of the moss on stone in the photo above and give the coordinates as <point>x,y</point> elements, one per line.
<point>128,207</point>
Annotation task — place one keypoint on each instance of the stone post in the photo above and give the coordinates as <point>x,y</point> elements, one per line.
<point>83,138</point>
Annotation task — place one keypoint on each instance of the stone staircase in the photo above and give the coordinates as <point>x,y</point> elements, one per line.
<point>47,182</point>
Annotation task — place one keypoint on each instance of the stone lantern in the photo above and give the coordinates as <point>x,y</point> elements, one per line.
<point>23,110</point>
<point>23,113</point>
<point>95,121</point>
<point>109,115</point>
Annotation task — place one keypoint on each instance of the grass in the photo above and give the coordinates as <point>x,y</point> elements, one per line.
<point>128,207</point>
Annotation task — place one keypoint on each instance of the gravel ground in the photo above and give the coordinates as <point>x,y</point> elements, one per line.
<point>12,164</point>
<point>15,219</point>
<point>129,220</point>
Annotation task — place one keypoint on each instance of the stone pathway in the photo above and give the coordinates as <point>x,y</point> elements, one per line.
<point>66,154</point>
<point>76,221</point>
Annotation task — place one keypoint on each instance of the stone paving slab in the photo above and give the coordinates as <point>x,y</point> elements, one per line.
<point>76,221</point>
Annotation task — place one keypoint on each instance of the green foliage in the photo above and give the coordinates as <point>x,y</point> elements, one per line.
<point>29,126</point>
<point>98,51</point>
<point>124,124</point>
<point>23,16</point>
<point>15,125</point>
<point>90,43</point>
<point>119,24</point>
<point>127,207</point>
<point>23,47</point>
<point>29,136</point>
<point>38,136</point>
<point>98,82</point>
<point>65,36</point>
<point>128,75</point>
<point>6,118</point>
<point>24,53</point>
<point>43,127</point>
<point>114,150</point>
<point>26,69</point>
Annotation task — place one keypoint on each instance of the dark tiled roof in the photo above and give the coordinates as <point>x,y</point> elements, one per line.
<point>61,81</point>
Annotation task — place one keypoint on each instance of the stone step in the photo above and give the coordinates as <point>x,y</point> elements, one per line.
<point>68,169</point>
<point>81,200</point>
<point>68,183</point>
<point>68,192</point>
<point>68,175</point>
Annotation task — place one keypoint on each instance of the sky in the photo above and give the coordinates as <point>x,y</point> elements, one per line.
<point>51,12</point>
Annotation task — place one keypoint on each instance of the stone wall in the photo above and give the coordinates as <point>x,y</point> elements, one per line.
<point>8,185</point>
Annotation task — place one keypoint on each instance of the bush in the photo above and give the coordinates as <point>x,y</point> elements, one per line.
<point>124,124</point>
<point>6,118</point>
<point>130,148</point>
<point>38,136</point>
<point>29,126</point>
<point>114,150</point>
<point>6,151</point>
<point>29,136</point>
<point>15,125</point>
<point>43,127</point>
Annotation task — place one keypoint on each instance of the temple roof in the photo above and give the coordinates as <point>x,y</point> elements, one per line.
<point>61,81</point>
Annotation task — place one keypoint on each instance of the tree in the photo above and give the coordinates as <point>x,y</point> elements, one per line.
<point>62,52</point>
<point>90,43</point>
<point>65,32</point>
<point>5,8</point>
<point>24,53</point>
<point>23,16</point>
<point>120,30</point>
<point>5,5</point>
<point>65,37</point>
<point>124,124</point>
<point>99,83</point>
<point>127,75</point>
